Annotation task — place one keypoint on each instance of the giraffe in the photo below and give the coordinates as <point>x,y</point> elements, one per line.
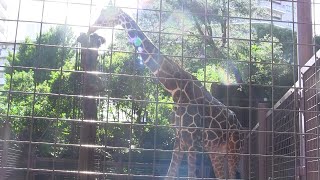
<point>202,122</point>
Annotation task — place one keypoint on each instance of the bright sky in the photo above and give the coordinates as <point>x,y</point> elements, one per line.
<point>316,16</point>
<point>76,12</point>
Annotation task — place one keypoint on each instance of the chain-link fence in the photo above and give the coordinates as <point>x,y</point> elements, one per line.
<point>94,104</point>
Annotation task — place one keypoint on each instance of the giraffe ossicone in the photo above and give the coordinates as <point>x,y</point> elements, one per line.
<point>201,121</point>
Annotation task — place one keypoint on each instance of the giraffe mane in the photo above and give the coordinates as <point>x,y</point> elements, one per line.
<point>109,17</point>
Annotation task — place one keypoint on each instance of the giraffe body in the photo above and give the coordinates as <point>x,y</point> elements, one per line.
<point>202,122</point>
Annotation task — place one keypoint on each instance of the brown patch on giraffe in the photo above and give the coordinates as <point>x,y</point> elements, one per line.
<point>199,100</point>
<point>211,123</point>
<point>186,120</point>
<point>198,93</point>
<point>189,90</point>
<point>163,75</point>
<point>184,98</point>
<point>177,75</point>
<point>127,19</point>
<point>193,130</point>
<point>121,18</point>
<point>235,139</point>
<point>207,109</point>
<point>151,64</point>
<point>198,120</point>
<point>187,137</point>
<point>170,84</point>
<point>180,111</point>
<point>128,26</point>
<point>223,148</point>
<point>154,53</point>
<point>192,110</point>
<point>168,68</point>
<point>182,84</point>
<point>180,97</point>
<point>221,116</point>
<point>211,135</point>
<point>233,147</point>
<point>176,95</point>
<point>216,109</point>
<point>219,133</point>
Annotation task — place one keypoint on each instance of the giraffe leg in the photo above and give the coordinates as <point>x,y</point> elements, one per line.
<point>233,165</point>
<point>191,164</point>
<point>217,161</point>
<point>234,146</point>
<point>175,160</point>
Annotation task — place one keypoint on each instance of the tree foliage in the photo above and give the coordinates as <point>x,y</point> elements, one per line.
<point>137,109</point>
<point>48,51</point>
<point>35,73</point>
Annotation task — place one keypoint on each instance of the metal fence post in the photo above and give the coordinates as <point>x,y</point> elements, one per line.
<point>262,139</point>
<point>5,149</point>
<point>88,130</point>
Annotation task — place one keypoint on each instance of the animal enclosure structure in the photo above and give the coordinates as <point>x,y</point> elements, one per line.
<point>159,89</point>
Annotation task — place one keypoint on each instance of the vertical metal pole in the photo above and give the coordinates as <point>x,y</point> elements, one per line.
<point>5,149</point>
<point>305,51</point>
<point>300,97</point>
<point>262,139</point>
<point>88,130</point>
<point>305,48</point>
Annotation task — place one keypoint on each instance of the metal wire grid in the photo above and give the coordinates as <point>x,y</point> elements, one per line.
<point>12,157</point>
<point>276,151</point>
<point>311,80</point>
<point>284,144</point>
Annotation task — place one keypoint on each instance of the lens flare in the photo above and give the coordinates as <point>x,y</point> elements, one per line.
<point>144,3</point>
<point>136,41</point>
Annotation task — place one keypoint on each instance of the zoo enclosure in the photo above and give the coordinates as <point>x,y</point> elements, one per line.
<point>288,153</point>
<point>285,140</point>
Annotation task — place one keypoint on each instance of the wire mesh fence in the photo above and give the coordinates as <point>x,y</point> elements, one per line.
<point>284,143</point>
<point>122,93</point>
<point>311,98</point>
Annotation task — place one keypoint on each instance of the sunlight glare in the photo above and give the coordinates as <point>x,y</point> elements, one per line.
<point>79,14</point>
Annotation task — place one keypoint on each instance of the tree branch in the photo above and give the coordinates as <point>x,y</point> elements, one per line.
<point>217,53</point>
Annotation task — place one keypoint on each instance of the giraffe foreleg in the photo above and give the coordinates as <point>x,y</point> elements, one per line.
<point>234,148</point>
<point>192,163</point>
<point>232,165</point>
<point>218,164</point>
<point>225,165</point>
<point>176,159</point>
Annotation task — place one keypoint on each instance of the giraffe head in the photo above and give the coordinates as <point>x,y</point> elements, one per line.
<point>109,17</point>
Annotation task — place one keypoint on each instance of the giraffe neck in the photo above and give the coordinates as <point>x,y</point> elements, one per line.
<point>146,49</point>
<point>183,87</point>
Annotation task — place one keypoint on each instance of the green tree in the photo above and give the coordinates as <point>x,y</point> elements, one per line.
<point>29,88</point>
<point>49,51</point>
<point>127,83</point>
<point>285,36</point>
<point>264,64</point>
